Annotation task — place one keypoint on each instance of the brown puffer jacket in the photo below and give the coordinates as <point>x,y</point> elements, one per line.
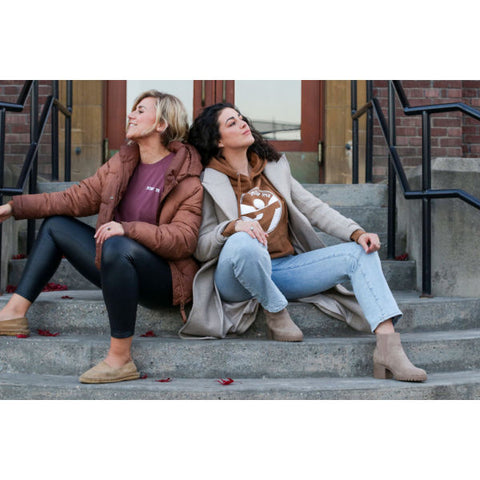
<point>179,212</point>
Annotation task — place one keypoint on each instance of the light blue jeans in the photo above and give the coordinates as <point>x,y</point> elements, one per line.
<point>245,270</point>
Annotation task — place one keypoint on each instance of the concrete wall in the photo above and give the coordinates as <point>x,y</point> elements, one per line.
<point>455,228</point>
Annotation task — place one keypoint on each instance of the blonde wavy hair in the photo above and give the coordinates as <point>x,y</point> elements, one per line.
<point>169,110</point>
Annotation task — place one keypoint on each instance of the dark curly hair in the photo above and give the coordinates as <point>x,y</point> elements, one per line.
<point>204,135</point>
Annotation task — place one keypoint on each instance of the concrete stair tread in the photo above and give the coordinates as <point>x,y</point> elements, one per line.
<point>451,385</point>
<point>355,337</point>
<point>84,312</point>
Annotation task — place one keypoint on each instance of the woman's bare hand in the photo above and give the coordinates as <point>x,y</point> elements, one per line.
<point>370,242</point>
<point>5,212</point>
<point>108,230</point>
<point>253,228</point>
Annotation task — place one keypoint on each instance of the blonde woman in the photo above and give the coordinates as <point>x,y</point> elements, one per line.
<point>148,198</point>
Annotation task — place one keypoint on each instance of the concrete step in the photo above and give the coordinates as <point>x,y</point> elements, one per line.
<point>85,313</point>
<point>371,219</point>
<point>436,352</point>
<point>400,243</point>
<point>363,203</point>
<point>48,187</point>
<point>66,274</point>
<point>460,385</point>
<point>342,195</point>
<point>399,275</point>
<point>368,194</point>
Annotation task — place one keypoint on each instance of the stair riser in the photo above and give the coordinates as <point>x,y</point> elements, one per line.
<point>350,195</point>
<point>65,275</point>
<point>400,247</point>
<point>371,219</point>
<point>334,194</point>
<point>399,275</point>
<point>233,358</point>
<point>90,317</point>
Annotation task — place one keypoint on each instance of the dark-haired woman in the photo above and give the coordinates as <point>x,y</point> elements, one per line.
<point>148,198</point>
<point>258,246</point>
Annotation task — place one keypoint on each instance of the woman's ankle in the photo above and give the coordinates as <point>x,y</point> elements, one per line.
<point>119,352</point>
<point>16,307</point>
<point>385,327</point>
<point>117,361</point>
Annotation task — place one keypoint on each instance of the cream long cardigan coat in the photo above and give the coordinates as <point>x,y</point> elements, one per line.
<point>212,318</point>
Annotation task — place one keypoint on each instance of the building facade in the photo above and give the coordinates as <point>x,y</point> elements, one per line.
<point>308,120</point>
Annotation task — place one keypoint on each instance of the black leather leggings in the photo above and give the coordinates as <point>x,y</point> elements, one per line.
<point>130,273</point>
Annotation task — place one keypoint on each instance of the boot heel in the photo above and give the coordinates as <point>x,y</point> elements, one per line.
<point>381,372</point>
<point>281,327</point>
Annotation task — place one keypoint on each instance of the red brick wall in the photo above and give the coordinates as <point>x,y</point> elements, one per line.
<point>452,134</point>
<point>471,127</point>
<point>17,131</point>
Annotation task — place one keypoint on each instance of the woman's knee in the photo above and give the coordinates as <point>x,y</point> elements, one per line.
<point>116,248</point>
<point>54,223</point>
<point>241,246</point>
<point>369,261</point>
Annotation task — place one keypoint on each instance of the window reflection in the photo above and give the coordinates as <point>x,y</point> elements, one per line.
<point>273,106</point>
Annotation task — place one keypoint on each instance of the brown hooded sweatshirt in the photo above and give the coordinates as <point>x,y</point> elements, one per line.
<point>258,200</point>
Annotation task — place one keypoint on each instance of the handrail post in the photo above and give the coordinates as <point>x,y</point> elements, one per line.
<point>32,187</point>
<point>55,133</point>
<point>369,135</point>
<point>68,132</point>
<point>426,208</point>
<point>392,180</point>
<point>353,89</point>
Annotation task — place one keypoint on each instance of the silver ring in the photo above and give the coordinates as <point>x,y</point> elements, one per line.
<point>251,228</point>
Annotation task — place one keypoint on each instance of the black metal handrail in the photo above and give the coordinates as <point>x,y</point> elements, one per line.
<point>396,169</point>
<point>28,172</point>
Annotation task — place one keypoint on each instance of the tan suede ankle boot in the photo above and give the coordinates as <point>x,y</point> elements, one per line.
<point>389,359</point>
<point>281,327</point>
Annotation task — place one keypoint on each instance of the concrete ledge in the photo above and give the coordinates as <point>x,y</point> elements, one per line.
<point>85,314</point>
<point>462,385</point>
<point>455,228</point>
<point>171,357</point>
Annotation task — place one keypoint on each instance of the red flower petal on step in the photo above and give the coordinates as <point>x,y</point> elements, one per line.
<point>46,333</point>
<point>402,258</point>
<point>164,380</point>
<point>66,297</point>
<point>21,335</point>
<point>19,256</point>
<point>148,334</point>
<point>225,381</point>
<point>54,287</point>
<point>143,377</point>
<point>10,288</point>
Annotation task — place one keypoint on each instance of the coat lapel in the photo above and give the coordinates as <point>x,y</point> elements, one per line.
<point>218,185</point>
<point>279,176</point>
